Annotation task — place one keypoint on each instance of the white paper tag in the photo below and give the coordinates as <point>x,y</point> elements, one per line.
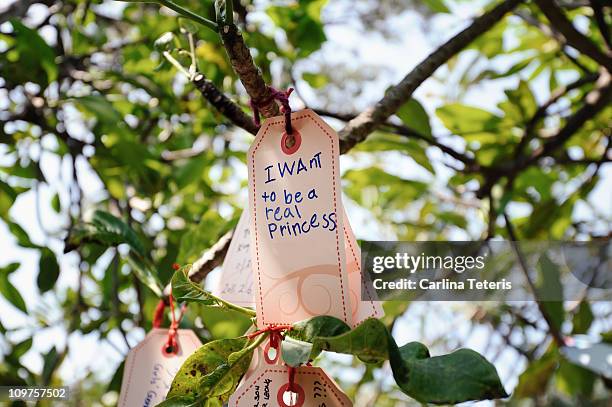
<point>149,371</point>
<point>268,385</point>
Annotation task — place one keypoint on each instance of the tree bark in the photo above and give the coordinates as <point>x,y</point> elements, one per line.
<point>361,126</point>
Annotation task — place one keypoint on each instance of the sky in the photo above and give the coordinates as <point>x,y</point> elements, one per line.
<point>394,58</point>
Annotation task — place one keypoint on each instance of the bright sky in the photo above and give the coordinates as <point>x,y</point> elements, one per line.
<point>397,57</point>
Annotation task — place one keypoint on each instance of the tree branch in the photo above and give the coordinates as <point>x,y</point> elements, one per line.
<point>573,37</point>
<point>250,76</point>
<point>403,131</point>
<point>362,125</point>
<point>211,258</point>
<point>600,19</point>
<point>557,337</point>
<point>540,113</point>
<point>223,104</point>
<point>595,101</point>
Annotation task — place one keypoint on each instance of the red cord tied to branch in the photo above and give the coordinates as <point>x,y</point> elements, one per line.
<point>276,338</point>
<point>171,346</point>
<point>283,99</point>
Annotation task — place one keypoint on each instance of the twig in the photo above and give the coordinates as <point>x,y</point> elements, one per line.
<point>250,76</point>
<point>523,263</point>
<point>575,38</point>
<point>362,125</point>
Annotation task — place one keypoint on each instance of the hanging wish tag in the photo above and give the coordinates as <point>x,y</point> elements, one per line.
<point>150,367</point>
<point>362,308</point>
<point>236,281</point>
<point>296,223</point>
<point>270,386</point>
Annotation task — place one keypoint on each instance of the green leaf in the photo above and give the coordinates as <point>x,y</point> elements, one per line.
<point>437,6</point>
<point>183,289</point>
<point>454,378</point>
<point>7,198</point>
<point>520,105</point>
<point>390,191</point>
<point>218,386</point>
<point>575,380</point>
<point>21,348</point>
<point>21,235</point>
<point>201,363</point>
<point>51,361</point>
<point>309,329</point>
<point>56,203</point>
<point>48,270</point>
<point>8,290</point>
<point>179,401</point>
<point>34,54</point>
<point>295,352</point>
<point>107,230</point>
<point>316,80</point>
<point>101,108</point>
<point>534,380</point>
<point>549,291</point>
<point>583,319</point>
<point>472,123</point>
<point>379,141</point>
<point>414,116</point>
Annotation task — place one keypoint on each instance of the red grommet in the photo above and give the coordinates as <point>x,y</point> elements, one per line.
<point>297,137</point>
<point>301,396</point>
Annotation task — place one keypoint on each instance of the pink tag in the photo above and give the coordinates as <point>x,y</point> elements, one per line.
<point>268,385</point>
<point>149,370</point>
<point>296,243</point>
<point>236,282</point>
<point>369,308</point>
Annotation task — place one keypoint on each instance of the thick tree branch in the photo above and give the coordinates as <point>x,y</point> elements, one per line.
<point>250,76</point>
<point>362,125</point>
<point>573,37</point>
<point>211,258</point>
<point>223,104</point>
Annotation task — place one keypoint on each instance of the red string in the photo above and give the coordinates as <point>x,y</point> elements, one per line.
<point>283,99</point>
<point>158,318</point>
<point>271,328</point>
<point>291,386</point>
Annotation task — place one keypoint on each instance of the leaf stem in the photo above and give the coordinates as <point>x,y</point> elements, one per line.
<point>229,12</point>
<point>190,14</point>
<point>176,64</point>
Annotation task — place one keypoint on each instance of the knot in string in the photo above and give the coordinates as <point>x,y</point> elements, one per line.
<point>171,345</point>
<point>282,97</point>
<point>274,330</point>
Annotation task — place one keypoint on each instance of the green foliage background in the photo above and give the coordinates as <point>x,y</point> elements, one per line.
<point>89,90</point>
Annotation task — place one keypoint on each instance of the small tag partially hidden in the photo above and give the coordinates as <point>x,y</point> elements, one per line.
<point>296,222</point>
<point>362,309</point>
<point>149,370</point>
<point>236,282</point>
<point>268,386</point>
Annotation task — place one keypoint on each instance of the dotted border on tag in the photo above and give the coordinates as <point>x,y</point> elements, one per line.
<point>317,372</point>
<point>358,262</point>
<point>132,354</point>
<point>268,124</point>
